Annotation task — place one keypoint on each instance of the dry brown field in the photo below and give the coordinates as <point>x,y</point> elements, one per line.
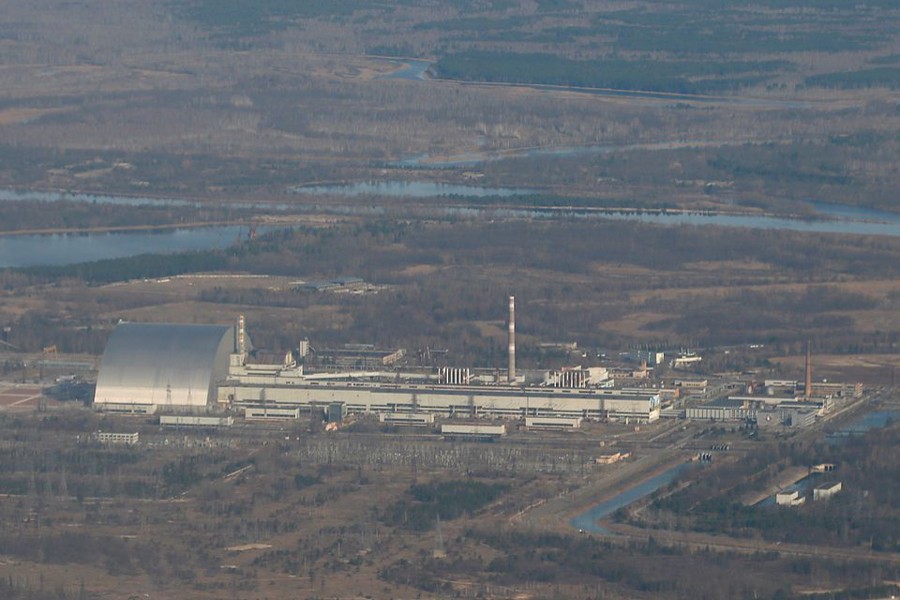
<point>872,369</point>
<point>19,397</point>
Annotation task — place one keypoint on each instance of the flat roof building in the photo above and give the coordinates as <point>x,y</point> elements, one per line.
<point>474,401</point>
<point>479,431</point>
<point>125,439</point>
<point>561,423</point>
<point>195,421</point>
<point>826,490</point>
<point>789,499</point>
<point>257,413</point>
<point>410,419</point>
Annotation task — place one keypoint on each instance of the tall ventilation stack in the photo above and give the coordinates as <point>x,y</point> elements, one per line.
<point>511,376</point>
<point>807,392</point>
<point>242,344</point>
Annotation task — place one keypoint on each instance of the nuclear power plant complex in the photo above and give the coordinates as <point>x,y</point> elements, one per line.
<point>212,370</point>
<point>149,368</point>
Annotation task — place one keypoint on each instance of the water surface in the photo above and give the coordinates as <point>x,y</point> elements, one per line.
<point>587,521</point>
<point>20,196</point>
<point>64,249</point>
<point>410,70</point>
<point>46,249</point>
<point>411,189</point>
<point>865,423</point>
<point>877,223</point>
<point>416,70</point>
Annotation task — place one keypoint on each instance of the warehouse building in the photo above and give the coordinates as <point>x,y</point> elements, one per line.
<point>553,423</point>
<point>765,414</point>
<point>195,421</point>
<point>150,365</point>
<point>265,413</point>
<point>407,419</point>
<point>485,432</point>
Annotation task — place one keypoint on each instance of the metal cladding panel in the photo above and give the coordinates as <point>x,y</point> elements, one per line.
<point>164,364</point>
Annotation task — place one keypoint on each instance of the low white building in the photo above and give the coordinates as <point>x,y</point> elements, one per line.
<point>126,439</point>
<point>273,413</point>
<point>685,361</point>
<point>826,490</point>
<point>694,385</point>
<point>195,421</point>
<point>476,430</point>
<point>608,459</point>
<point>558,423</point>
<point>789,499</point>
<point>411,419</point>
<point>126,408</point>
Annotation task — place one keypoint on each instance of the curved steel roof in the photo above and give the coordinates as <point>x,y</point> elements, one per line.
<point>164,364</point>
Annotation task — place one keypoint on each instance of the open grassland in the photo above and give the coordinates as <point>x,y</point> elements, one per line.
<point>881,369</point>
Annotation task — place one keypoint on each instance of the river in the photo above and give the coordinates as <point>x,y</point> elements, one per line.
<point>411,189</point>
<point>19,196</point>
<point>834,218</point>
<point>28,250</point>
<point>409,70</point>
<point>63,249</point>
<point>417,70</point>
<point>865,222</point>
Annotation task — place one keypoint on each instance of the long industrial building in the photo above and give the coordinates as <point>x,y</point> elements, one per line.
<point>469,401</point>
<point>147,367</point>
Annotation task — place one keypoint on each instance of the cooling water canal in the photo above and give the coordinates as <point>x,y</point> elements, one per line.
<point>588,521</point>
<point>872,420</point>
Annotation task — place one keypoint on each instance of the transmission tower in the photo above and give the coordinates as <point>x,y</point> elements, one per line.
<point>439,551</point>
<point>63,486</point>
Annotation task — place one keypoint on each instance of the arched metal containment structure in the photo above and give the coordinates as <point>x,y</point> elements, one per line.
<point>158,364</point>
